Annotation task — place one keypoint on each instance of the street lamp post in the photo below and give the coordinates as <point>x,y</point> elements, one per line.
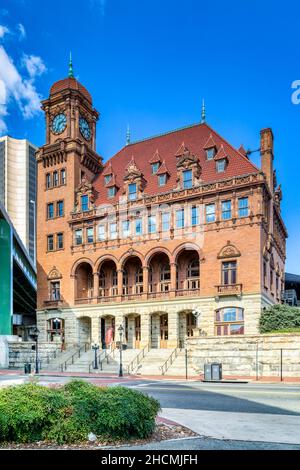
<point>35,335</point>
<point>121,330</point>
<point>95,348</point>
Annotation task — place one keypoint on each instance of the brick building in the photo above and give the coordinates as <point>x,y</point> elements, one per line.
<point>171,224</point>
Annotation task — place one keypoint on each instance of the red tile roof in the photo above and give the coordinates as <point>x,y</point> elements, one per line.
<point>155,158</point>
<point>194,138</point>
<point>163,169</point>
<point>70,83</point>
<point>221,154</point>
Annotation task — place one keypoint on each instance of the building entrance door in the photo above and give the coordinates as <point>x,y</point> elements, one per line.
<point>190,324</point>
<point>164,330</point>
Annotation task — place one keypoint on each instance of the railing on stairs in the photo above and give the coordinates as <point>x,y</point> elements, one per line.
<point>77,354</point>
<point>107,355</point>
<point>137,359</point>
<point>169,361</point>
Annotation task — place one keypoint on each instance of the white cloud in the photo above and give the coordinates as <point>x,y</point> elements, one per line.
<point>15,87</point>
<point>100,4</point>
<point>34,65</point>
<point>22,31</point>
<point>3,30</point>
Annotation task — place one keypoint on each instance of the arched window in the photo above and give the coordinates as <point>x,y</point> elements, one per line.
<point>125,282</point>
<point>102,279</point>
<point>165,277</point>
<point>229,321</point>
<point>139,280</point>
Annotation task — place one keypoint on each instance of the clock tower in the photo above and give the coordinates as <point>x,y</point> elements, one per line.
<point>66,161</point>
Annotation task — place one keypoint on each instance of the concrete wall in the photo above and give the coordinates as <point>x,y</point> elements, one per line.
<point>255,356</point>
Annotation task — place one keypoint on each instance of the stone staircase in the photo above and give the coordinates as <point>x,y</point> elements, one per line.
<point>177,368</point>
<point>62,358</point>
<point>153,360</point>
<point>110,361</point>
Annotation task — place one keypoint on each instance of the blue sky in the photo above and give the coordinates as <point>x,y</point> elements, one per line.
<point>150,63</point>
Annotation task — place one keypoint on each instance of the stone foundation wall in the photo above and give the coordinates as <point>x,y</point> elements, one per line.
<point>21,352</point>
<point>255,356</point>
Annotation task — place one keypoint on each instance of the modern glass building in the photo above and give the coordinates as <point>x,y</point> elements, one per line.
<point>17,282</point>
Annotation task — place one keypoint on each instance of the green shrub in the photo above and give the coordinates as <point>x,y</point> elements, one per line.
<point>279,317</point>
<point>68,414</point>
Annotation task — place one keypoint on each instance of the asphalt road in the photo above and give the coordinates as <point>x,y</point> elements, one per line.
<point>226,416</point>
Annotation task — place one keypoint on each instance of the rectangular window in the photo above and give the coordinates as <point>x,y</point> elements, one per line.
<point>162,179</point>
<point>63,176</point>
<point>210,153</point>
<point>165,221</point>
<point>151,224</point>
<point>60,241</point>
<point>50,244</point>
<point>107,179</point>
<point>195,215</point>
<point>101,232</point>
<point>55,178</point>
<point>113,231</point>
<point>229,321</point>
<point>221,165</point>
<point>78,237</point>
<point>132,194</point>
<point>226,210</point>
<point>84,203</point>
<point>126,228</point>
<point>60,208</point>
<point>155,167</point>
<point>180,218</point>
<point>187,179</point>
<point>111,192</point>
<point>210,211</point>
<point>48,180</point>
<point>243,207</point>
<point>50,210</point>
<point>90,235</point>
<point>138,226</point>
<point>229,272</point>
<point>55,290</point>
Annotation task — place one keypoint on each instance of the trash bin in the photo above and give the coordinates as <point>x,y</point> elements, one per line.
<point>27,368</point>
<point>216,371</point>
<point>124,346</point>
<point>213,371</point>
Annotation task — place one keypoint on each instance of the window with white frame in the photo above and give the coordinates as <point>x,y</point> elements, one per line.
<point>90,235</point>
<point>113,232</point>
<point>221,165</point>
<point>132,191</point>
<point>226,210</point>
<point>195,215</point>
<point>126,228</point>
<point>180,218</point>
<point>187,177</point>
<point>162,179</point>
<point>107,179</point>
<point>151,224</point>
<point>101,232</point>
<point>243,206</point>
<point>139,226</point>
<point>111,192</point>
<point>165,221</point>
<point>229,321</point>
<point>84,203</point>
<point>154,167</point>
<point>210,153</point>
<point>210,213</point>
<point>78,237</point>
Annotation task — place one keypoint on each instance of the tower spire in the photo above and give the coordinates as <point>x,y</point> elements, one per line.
<point>128,135</point>
<point>71,73</point>
<point>203,112</point>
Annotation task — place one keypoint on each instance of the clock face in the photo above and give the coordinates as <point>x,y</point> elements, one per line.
<point>59,123</point>
<point>84,128</point>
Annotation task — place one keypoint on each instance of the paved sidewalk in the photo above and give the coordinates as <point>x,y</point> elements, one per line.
<point>276,428</point>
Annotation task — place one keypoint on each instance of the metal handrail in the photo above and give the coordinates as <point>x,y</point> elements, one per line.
<point>63,365</point>
<point>107,355</point>
<point>131,366</point>
<point>170,359</point>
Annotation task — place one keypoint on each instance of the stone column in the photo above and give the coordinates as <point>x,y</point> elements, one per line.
<point>95,287</point>
<point>95,327</point>
<point>145,329</point>
<point>145,282</point>
<point>173,329</point>
<point>173,279</point>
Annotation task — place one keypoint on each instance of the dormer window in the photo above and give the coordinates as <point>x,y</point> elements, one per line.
<point>221,165</point>
<point>132,191</point>
<point>210,153</point>
<point>84,203</point>
<point>107,178</point>
<point>154,168</point>
<point>187,179</point>
<point>162,179</point>
<point>111,192</point>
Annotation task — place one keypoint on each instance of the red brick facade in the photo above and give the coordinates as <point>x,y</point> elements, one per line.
<point>168,224</point>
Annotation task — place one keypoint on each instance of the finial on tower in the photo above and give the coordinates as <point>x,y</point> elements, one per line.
<point>128,135</point>
<point>71,73</point>
<point>203,113</point>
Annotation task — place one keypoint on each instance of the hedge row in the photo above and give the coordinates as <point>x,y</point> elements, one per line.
<point>279,317</point>
<point>68,414</point>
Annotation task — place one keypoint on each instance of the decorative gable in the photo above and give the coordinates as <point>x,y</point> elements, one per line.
<point>188,161</point>
<point>229,251</point>
<point>155,158</point>
<point>84,188</point>
<point>210,143</point>
<point>133,175</point>
<point>221,154</point>
<point>163,169</point>
<point>54,274</point>
<point>181,150</point>
<point>108,170</point>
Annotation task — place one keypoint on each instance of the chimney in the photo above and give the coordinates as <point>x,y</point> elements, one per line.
<point>266,152</point>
